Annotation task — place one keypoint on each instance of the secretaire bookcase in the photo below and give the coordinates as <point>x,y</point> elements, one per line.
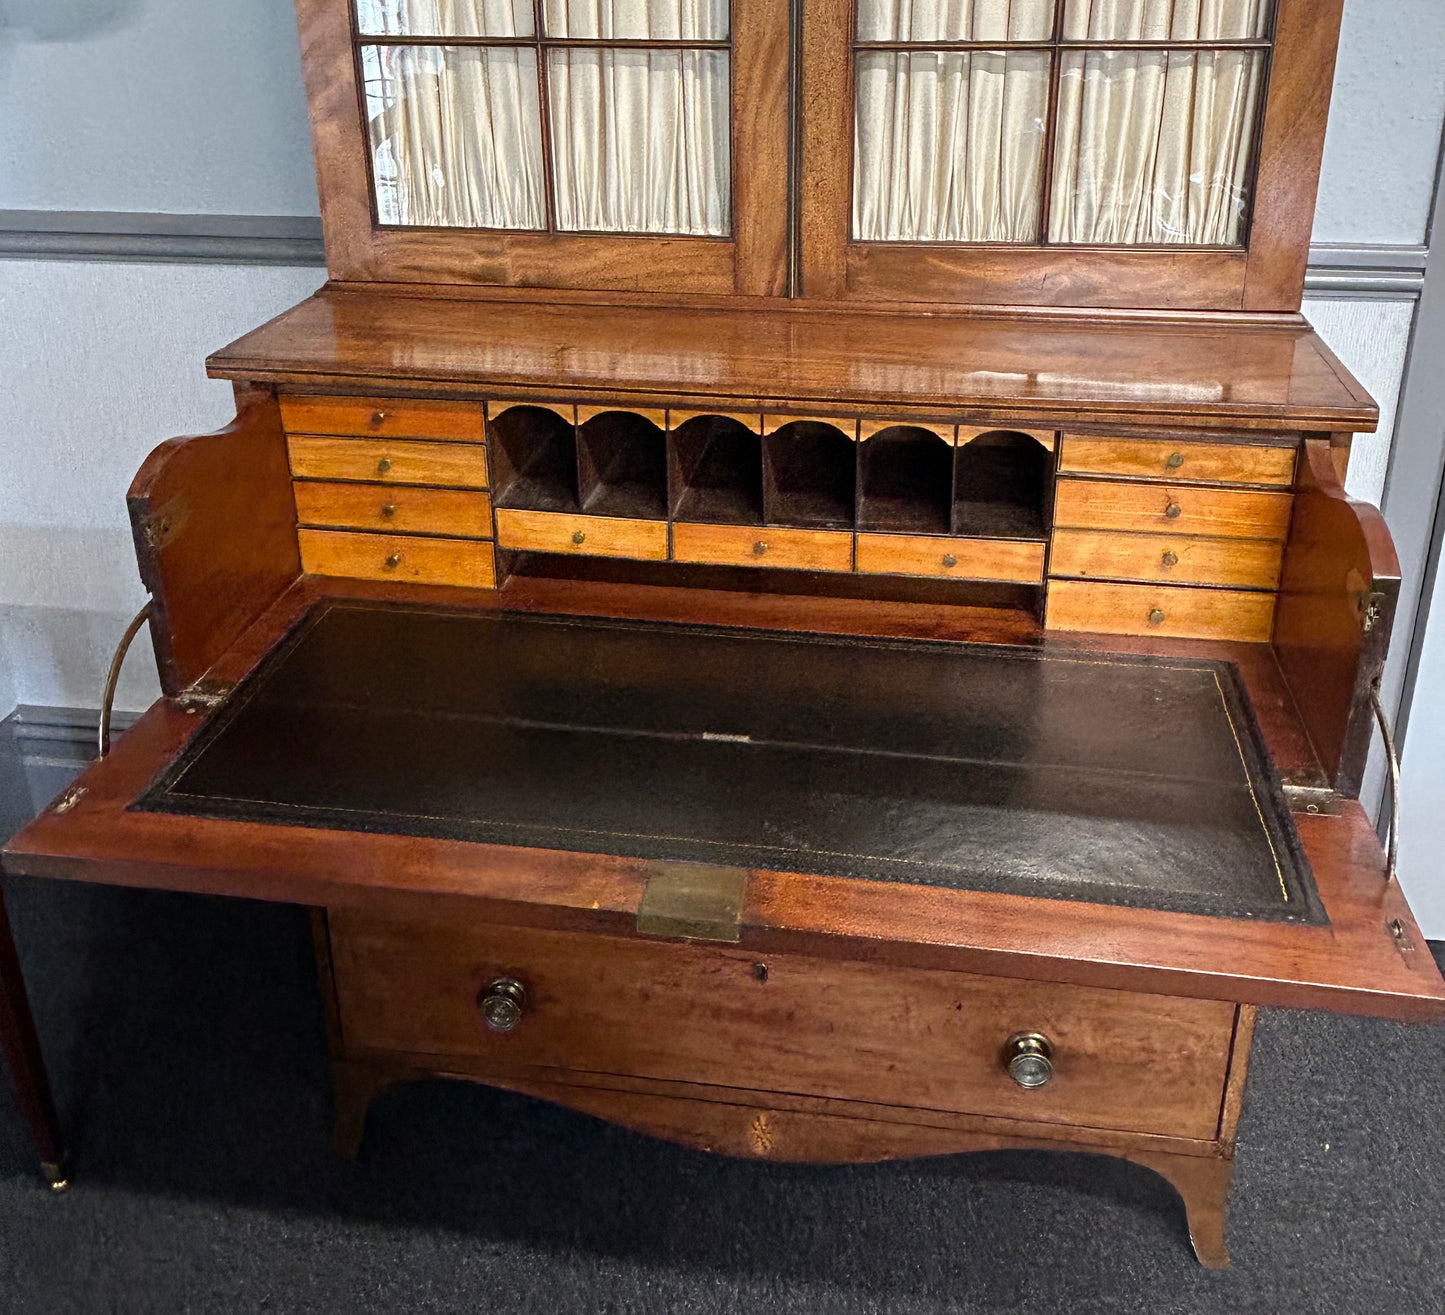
<point>793,589</point>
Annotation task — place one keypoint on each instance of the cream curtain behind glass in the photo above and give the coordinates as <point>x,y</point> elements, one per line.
<point>1156,147</point>
<point>637,20</point>
<point>948,145</point>
<point>445,18</point>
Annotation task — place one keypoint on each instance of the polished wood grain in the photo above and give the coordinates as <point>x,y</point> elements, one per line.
<point>1153,458</point>
<point>949,557</point>
<point>774,421</point>
<point>1044,437</point>
<point>852,1031</point>
<point>658,415</point>
<point>1166,558</point>
<point>398,557</point>
<point>215,536</point>
<point>1180,509</point>
<point>772,545</point>
<point>586,536</point>
<point>947,432</point>
<point>983,369</point>
<point>388,461</point>
<point>382,417</point>
<point>1150,609</point>
<point>1338,595</point>
<point>1356,964</point>
<point>455,513</point>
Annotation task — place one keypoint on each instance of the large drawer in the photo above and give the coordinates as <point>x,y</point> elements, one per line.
<point>1016,561</point>
<point>586,536</point>
<point>747,545</point>
<point>1168,558</point>
<point>468,563</point>
<point>456,513</point>
<point>388,461</point>
<point>1238,615</point>
<point>783,1023</point>
<point>381,417</point>
<point>1192,462</point>
<point>1092,504</point>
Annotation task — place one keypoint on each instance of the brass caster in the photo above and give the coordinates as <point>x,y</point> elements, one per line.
<point>56,1176</point>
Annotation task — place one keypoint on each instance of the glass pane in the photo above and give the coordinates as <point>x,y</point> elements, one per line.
<point>1167,20</point>
<point>445,18</point>
<point>1155,146</point>
<point>640,140</point>
<point>637,20</point>
<point>456,136</point>
<point>949,146</point>
<point>955,20</point>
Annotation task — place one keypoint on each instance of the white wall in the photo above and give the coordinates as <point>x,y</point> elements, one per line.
<point>1422,794</point>
<point>102,362</point>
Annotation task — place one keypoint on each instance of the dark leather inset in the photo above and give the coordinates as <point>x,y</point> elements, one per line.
<point>1110,778</point>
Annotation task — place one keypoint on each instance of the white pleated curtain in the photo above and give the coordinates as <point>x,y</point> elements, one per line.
<point>1152,147</point>
<point>640,139</point>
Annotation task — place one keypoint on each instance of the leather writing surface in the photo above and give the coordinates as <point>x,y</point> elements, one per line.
<point>1112,778</point>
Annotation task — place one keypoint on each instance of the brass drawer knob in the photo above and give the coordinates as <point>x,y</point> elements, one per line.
<point>759,548</point>
<point>1174,460</point>
<point>949,560</point>
<point>502,1005</point>
<point>579,537</point>
<point>1156,617</point>
<point>388,510</point>
<point>378,418</point>
<point>1174,511</point>
<point>1170,559</point>
<point>392,562</point>
<point>383,465</point>
<point>1030,1059</point>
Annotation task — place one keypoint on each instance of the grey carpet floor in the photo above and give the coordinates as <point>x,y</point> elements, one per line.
<point>187,1048</point>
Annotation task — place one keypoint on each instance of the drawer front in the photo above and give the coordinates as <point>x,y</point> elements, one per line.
<point>1146,609</point>
<point>388,461</point>
<point>894,1036</point>
<point>947,558</point>
<point>763,545</point>
<point>1102,505</point>
<point>381,417</point>
<point>587,536</point>
<point>1207,463</point>
<point>470,564</point>
<point>452,512</point>
<point>1170,559</point>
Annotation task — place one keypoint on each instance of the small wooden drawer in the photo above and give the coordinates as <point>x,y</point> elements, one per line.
<point>398,557</point>
<point>1147,609</point>
<point>1171,559</point>
<point>901,1037</point>
<point>383,461</point>
<point>1205,463</point>
<point>772,545</point>
<point>1231,513</point>
<point>380,417</point>
<point>456,513</point>
<point>587,536</point>
<point>1012,560</point>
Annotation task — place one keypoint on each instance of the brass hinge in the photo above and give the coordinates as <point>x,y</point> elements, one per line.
<point>1371,607</point>
<point>693,902</point>
<point>204,695</point>
<point>1316,800</point>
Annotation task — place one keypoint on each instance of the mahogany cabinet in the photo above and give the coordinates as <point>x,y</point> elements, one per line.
<point>793,591</point>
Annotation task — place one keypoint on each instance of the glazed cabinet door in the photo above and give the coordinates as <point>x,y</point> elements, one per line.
<point>589,144</point>
<point>1130,153</point>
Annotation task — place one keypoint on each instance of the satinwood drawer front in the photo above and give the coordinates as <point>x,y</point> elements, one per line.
<point>469,563</point>
<point>587,536</point>
<point>772,545</point>
<point>893,1036</point>
<point>1146,609</point>
<point>388,461</point>
<point>1176,558</point>
<point>1013,561</point>
<point>1205,463</point>
<point>1089,504</point>
<point>457,513</point>
<point>381,417</point>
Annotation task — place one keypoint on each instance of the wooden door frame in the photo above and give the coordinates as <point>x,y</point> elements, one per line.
<point>751,262</point>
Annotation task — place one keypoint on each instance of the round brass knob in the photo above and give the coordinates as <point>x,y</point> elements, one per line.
<point>579,537</point>
<point>759,548</point>
<point>502,1005</point>
<point>1173,511</point>
<point>383,465</point>
<point>1170,559</point>
<point>949,560</point>
<point>378,418</point>
<point>1030,1059</point>
<point>392,562</point>
<point>1156,617</point>
<point>1174,460</point>
<point>388,510</point>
